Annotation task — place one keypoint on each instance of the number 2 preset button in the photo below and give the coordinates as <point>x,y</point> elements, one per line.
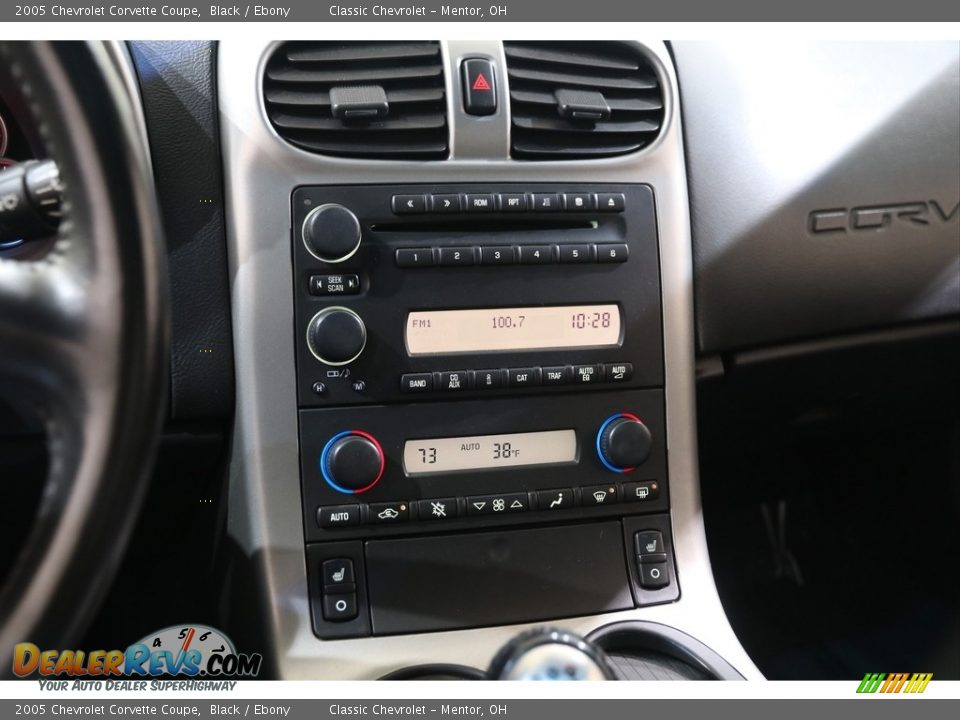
<point>453,256</point>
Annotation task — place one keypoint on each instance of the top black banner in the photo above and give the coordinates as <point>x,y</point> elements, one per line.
<point>497,11</point>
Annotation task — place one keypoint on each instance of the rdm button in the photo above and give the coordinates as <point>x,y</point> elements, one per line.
<point>479,91</point>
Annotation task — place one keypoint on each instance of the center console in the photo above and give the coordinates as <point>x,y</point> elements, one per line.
<point>465,383</point>
<point>472,357</point>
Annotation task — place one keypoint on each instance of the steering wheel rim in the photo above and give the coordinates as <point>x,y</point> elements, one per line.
<point>84,336</point>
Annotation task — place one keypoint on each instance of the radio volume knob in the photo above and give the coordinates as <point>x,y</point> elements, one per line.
<point>331,233</point>
<point>623,442</point>
<point>352,462</point>
<point>336,336</point>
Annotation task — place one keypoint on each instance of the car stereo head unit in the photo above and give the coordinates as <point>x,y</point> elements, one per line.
<point>439,292</point>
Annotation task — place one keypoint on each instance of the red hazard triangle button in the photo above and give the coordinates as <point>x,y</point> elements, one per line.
<point>479,87</point>
<point>481,83</point>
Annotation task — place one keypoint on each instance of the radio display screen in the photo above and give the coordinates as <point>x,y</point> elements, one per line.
<point>448,332</point>
<point>487,452</point>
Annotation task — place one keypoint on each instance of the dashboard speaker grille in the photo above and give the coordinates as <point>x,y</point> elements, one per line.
<point>573,100</point>
<point>381,100</point>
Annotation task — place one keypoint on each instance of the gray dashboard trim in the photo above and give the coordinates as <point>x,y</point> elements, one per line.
<point>264,504</point>
<point>825,192</point>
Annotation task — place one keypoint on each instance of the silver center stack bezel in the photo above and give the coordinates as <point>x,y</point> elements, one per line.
<point>264,512</point>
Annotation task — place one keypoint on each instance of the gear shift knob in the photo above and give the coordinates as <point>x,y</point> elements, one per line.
<point>550,654</point>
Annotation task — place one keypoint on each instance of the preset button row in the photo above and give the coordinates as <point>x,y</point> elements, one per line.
<point>457,380</point>
<point>418,204</point>
<point>448,508</point>
<point>467,255</point>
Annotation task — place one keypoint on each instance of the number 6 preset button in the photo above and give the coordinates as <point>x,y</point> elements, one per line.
<point>456,256</point>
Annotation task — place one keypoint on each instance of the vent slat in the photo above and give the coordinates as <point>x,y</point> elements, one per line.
<point>297,88</point>
<point>410,122</point>
<point>557,124</point>
<point>533,147</point>
<point>304,97</point>
<point>566,57</point>
<point>541,129</point>
<point>348,52</point>
<point>345,76</point>
<point>564,79</point>
<point>637,104</point>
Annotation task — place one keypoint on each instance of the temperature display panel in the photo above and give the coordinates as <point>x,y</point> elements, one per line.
<point>445,332</point>
<point>489,452</point>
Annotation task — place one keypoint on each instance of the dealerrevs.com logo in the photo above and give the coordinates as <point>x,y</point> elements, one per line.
<point>183,650</point>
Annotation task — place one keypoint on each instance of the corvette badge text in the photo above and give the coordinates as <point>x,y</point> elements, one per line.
<point>880,217</point>
<point>191,651</point>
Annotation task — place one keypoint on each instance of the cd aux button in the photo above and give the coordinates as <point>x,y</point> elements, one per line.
<point>455,380</point>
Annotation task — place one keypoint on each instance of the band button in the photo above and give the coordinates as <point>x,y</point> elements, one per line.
<point>416,382</point>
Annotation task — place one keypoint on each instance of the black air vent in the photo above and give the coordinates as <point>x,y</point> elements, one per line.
<point>359,99</point>
<point>581,99</point>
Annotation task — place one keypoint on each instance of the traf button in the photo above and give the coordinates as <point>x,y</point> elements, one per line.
<point>479,87</point>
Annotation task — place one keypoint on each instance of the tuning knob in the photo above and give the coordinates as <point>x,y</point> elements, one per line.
<point>352,462</point>
<point>331,233</point>
<point>623,442</point>
<point>336,336</point>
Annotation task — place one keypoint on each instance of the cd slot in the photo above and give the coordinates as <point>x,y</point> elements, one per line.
<point>492,225</point>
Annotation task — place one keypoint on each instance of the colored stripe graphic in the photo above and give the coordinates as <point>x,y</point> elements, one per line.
<point>894,683</point>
